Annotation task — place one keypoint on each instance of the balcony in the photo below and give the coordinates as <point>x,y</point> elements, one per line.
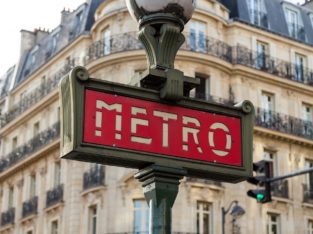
<point>54,196</point>
<point>8,217</point>
<point>307,194</point>
<point>36,143</point>
<point>203,181</point>
<point>280,189</point>
<point>35,96</point>
<point>30,207</point>
<point>93,178</point>
<point>283,123</point>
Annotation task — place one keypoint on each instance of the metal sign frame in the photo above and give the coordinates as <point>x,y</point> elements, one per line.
<point>72,89</point>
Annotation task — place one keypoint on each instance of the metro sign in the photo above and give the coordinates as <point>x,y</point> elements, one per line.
<point>119,125</point>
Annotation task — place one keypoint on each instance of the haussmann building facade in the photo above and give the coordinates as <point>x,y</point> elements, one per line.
<point>260,50</point>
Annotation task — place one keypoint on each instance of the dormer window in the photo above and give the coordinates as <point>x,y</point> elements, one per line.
<point>54,41</point>
<point>257,13</point>
<point>33,55</point>
<point>295,26</point>
<point>292,21</point>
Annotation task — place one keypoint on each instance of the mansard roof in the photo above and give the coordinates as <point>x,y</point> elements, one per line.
<point>274,16</point>
<point>73,24</point>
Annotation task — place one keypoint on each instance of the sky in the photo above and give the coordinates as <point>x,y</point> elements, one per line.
<point>28,15</point>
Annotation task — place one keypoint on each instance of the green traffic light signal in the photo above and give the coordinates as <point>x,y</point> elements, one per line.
<point>259,196</point>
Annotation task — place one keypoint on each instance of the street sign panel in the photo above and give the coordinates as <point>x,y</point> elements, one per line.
<point>120,125</point>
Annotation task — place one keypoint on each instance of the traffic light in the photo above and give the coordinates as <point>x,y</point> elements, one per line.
<point>263,170</point>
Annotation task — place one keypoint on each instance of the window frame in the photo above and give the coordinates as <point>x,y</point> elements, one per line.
<point>200,212</point>
<point>270,223</point>
<point>144,216</point>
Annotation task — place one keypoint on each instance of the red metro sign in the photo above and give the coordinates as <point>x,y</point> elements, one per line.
<point>146,126</point>
<point>119,125</point>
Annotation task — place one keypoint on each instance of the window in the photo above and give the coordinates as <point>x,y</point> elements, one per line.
<point>11,197</point>
<point>307,116</point>
<point>54,41</point>
<point>57,174</point>
<point>292,21</point>
<point>29,232</point>
<point>106,38</point>
<point>14,143</point>
<point>54,227</point>
<point>262,52</point>
<point>271,156</point>
<point>36,128</point>
<point>33,55</point>
<point>32,186</point>
<point>267,104</point>
<point>300,61</point>
<point>273,224</point>
<point>197,32</point>
<point>310,226</point>
<point>141,216</point>
<point>204,218</point>
<point>309,176</point>
<point>203,90</point>
<point>92,220</point>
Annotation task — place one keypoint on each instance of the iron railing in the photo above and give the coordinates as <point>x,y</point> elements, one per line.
<point>280,189</point>
<point>94,177</point>
<point>307,194</point>
<point>30,207</point>
<point>204,181</point>
<point>117,43</point>
<point>55,196</point>
<point>283,123</point>
<point>128,42</point>
<point>30,147</point>
<point>30,99</point>
<point>8,217</point>
<point>290,71</point>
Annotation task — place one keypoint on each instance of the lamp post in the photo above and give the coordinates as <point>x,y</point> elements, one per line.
<point>237,211</point>
<point>160,30</point>
<point>161,24</point>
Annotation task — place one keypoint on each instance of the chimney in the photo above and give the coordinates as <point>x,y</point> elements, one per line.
<point>41,33</point>
<point>64,16</point>
<point>28,40</point>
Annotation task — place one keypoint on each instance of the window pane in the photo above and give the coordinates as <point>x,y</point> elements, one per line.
<point>141,216</point>
<point>204,217</point>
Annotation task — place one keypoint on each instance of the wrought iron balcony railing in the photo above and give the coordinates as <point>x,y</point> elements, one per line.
<point>204,181</point>
<point>94,177</point>
<point>35,96</point>
<point>283,123</point>
<point>272,65</point>
<point>8,217</point>
<point>280,189</point>
<point>30,207</point>
<point>307,194</point>
<point>30,147</point>
<point>55,195</point>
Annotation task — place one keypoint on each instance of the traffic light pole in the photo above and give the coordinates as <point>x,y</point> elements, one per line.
<point>301,172</point>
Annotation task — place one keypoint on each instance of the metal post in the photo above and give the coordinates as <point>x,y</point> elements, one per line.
<point>160,189</point>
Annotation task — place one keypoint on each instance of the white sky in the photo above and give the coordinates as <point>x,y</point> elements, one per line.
<point>30,14</point>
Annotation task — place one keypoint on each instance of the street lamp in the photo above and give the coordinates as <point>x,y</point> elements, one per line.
<point>237,211</point>
<point>161,24</point>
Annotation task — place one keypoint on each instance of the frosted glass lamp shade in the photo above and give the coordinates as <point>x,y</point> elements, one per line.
<point>182,9</point>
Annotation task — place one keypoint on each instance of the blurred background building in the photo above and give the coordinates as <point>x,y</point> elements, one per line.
<point>259,50</point>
